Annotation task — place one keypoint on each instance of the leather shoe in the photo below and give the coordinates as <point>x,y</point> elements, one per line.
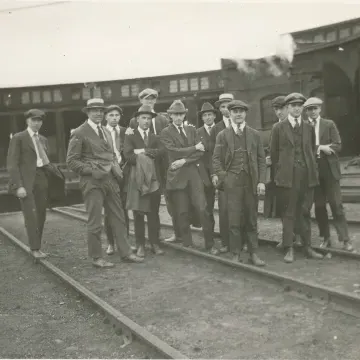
<point>101,263</point>
<point>189,246</point>
<point>37,254</point>
<point>224,249</point>
<point>236,258</point>
<point>110,250</point>
<point>255,260</point>
<point>348,246</point>
<point>133,258</point>
<point>325,243</point>
<point>289,256</point>
<point>172,238</point>
<point>214,251</point>
<point>313,254</point>
<point>245,248</point>
<point>140,251</point>
<point>297,240</point>
<point>156,250</point>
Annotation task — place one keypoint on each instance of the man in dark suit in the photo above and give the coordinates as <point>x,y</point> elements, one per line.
<point>30,177</point>
<point>239,163</point>
<point>91,155</point>
<point>142,141</point>
<point>208,115</point>
<point>328,145</point>
<point>186,176</point>
<point>221,104</point>
<point>113,115</point>
<point>292,152</point>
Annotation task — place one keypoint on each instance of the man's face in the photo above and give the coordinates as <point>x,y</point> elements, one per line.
<point>313,112</point>
<point>177,118</point>
<point>208,118</point>
<point>96,115</point>
<point>144,121</point>
<point>237,115</point>
<point>281,112</point>
<point>223,109</point>
<point>112,118</point>
<point>150,100</point>
<point>295,109</point>
<point>34,124</point>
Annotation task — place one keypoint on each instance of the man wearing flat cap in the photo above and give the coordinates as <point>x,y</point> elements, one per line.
<point>31,173</point>
<point>221,104</point>
<point>292,151</point>
<point>208,115</point>
<point>239,163</point>
<point>186,176</point>
<point>142,152</point>
<point>328,146</point>
<point>91,155</point>
<point>113,115</point>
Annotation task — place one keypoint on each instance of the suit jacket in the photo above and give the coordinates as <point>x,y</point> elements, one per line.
<point>220,126</point>
<point>21,165</point>
<point>329,135</point>
<point>161,122</point>
<point>204,136</point>
<point>282,153</point>
<point>224,155</point>
<point>154,150</point>
<point>119,143</point>
<point>177,149</point>
<point>88,152</point>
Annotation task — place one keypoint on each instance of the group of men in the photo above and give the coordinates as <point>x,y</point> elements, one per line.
<point>129,169</point>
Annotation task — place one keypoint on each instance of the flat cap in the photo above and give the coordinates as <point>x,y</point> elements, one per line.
<point>294,98</point>
<point>313,101</point>
<point>112,108</point>
<point>279,101</point>
<point>34,114</point>
<point>237,104</point>
<point>148,92</point>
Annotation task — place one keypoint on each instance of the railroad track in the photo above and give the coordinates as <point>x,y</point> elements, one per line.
<point>262,241</point>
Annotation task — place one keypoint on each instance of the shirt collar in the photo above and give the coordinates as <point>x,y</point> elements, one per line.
<point>235,127</point>
<point>226,121</point>
<point>111,128</point>
<point>141,131</point>
<point>93,125</point>
<point>316,121</point>
<point>31,133</point>
<point>292,120</point>
<point>178,127</point>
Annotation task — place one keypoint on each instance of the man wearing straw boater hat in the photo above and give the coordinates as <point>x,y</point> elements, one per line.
<point>239,163</point>
<point>292,152</point>
<point>208,115</point>
<point>186,176</point>
<point>91,155</point>
<point>221,104</point>
<point>328,145</point>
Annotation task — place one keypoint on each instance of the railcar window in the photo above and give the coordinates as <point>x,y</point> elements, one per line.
<point>25,97</point>
<point>57,95</point>
<point>194,84</point>
<point>47,96</point>
<point>331,36</point>
<point>107,92</point>
<point>173,86</point>
<point>134,89</point>
<point>36,98</point>
<point>356,29</point>
<point>204,83</point>
<point>184,85</point>
<point>125,90</point>
<point>86,93</point>
<point>76,94</point>
<point>344,33</point>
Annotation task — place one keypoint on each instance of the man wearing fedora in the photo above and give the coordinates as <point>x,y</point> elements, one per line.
<point>292,152</point>
<point>32,177</point>
<point>208,115</point>
<point>186,176</point>
<point>142,151</point>
<point>91,155</point>
<point>221,104</point>
<point>113,115</point>
<point>328,145</point>
<point>239,163</point>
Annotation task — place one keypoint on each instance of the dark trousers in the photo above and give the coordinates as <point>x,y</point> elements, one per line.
<point>329,190</point>
<point>170,209</point>
<point>33,207</point>
<point>108,231</point>
<point>153,222</point>
<point>182,200</point>
<point>242,209</point>
<point>98,194</point>
<point>296,205</point>
<point>210,200</point>
<point>223,217</point>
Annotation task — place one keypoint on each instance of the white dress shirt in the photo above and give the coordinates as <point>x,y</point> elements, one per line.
<point>317,129</point>
<point>235,126</point>
<point>95,128</point>
<point>226,121</point>
<point>293,122</point>
<point>178,129</point>
<point>115,130</point>
<point>153,124</point>
<point>142,132</point>
<point>39,162</point>
<point>208,128</point>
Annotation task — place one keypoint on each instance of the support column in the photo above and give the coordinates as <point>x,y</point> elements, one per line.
<point>13,125</point>
<point>60,137</point>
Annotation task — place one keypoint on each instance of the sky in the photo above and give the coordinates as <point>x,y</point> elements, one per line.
<point>83,41</point>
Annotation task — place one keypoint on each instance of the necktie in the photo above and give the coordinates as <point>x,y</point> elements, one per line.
<point>297,125</point>
<point>209,129</point>
<point>239,131</point>
<point>183,134</point>
<point>41,151</point>
<point>146,139</point>
<point>101,135</point>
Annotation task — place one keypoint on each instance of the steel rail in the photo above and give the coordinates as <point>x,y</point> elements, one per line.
<point>262,241</point>
<point>340,300</point>
<point>122,324</point>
